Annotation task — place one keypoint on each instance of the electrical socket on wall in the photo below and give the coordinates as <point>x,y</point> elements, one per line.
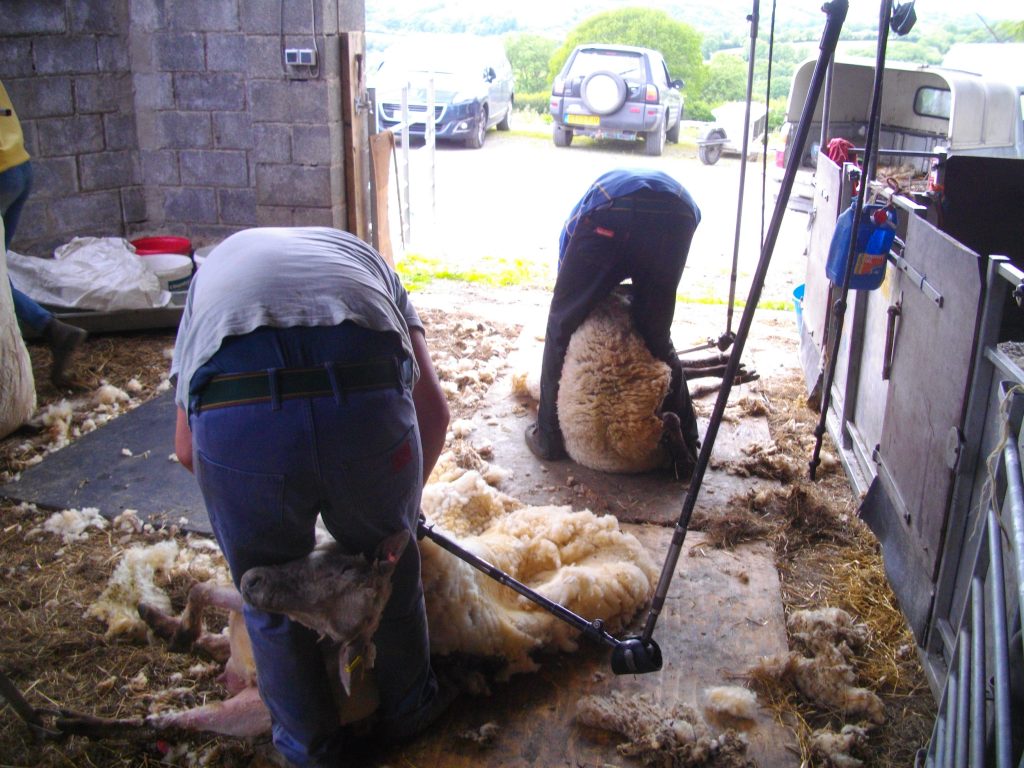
<point>300,57</point>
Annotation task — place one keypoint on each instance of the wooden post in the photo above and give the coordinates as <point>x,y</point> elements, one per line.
<point>355,133</point>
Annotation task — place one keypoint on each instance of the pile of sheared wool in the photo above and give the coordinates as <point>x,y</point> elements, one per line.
<point>662,735</point>
<point>134,582</point>
<point>840,750</point>
<point>71,524</point>
<point>135,577</point>
<point>575,558</point>
<point>479,355</point>
<point>462,456</point>
<point>56,417</point>
<point>820,669</point>
<point>731,701</point>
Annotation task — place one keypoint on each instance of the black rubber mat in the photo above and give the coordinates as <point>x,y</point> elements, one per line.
<point>97,471</point>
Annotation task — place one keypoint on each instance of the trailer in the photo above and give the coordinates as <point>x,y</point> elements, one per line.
<point>926,406</point>
<point>725,134</point>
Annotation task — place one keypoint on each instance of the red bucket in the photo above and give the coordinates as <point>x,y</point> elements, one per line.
<point>148,246</point>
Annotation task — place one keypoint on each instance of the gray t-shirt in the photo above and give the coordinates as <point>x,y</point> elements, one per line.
<point>284,277</point>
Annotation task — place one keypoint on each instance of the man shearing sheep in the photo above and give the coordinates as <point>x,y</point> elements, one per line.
<point>635,224</point>
<point>305,386</point>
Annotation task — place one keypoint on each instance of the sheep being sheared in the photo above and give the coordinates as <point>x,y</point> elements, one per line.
<point>339,595</point>
<point>611,394</point>
<point>580,560</point>
<point>612,406</point>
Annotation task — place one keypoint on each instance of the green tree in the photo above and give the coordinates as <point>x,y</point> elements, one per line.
<point>1010,31</point>
<point>679,43</point>
<point>529,56</point>
<point>726,81</point>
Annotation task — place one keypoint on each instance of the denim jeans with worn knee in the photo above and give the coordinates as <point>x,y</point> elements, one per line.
<point>267,470</point>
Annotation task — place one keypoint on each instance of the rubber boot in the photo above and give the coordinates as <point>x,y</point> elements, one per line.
<point>63,340</point>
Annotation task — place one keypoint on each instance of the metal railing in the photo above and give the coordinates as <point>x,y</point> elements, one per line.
<point>981,707</point>
<point>408,116</point>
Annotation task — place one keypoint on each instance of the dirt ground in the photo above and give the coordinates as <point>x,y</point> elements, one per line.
<point>58,658</point>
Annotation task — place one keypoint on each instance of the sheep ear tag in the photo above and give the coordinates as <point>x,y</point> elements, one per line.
<point>390,550</point>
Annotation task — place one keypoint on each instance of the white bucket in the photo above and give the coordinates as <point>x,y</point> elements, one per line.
<point>201,254</point>
<point>174,270</point>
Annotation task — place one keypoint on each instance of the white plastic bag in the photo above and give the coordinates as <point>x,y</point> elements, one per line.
<point>96,273</point>
<point>17,387</point>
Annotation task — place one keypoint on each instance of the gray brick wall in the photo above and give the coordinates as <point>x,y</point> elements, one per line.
<point>175,116</point>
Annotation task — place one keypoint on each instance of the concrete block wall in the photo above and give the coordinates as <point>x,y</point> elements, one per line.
<point>176,116</point>
<point>66,67</point>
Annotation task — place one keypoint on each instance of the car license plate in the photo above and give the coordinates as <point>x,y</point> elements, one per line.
<point>582,119</point>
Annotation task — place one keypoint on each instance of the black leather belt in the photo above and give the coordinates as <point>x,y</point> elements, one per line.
<point>289,383</point>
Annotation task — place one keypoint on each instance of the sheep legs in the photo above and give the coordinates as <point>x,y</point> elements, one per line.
<point>243,716</point>
<point>710,367</point>
<point>187,633</point>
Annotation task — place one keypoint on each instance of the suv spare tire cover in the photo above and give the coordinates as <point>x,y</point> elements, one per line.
<point>603,92</point>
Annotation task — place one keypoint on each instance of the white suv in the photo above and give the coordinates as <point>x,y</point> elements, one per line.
<point>616,92</point>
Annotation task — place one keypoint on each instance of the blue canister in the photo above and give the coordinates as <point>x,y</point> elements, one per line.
<point>877,230</point>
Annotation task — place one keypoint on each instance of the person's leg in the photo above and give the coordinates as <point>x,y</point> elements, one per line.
<point>372,472</point>
<point>15,186</point>
<point>29,312</point>
<point>63,339</point>
<point>256,467</point>
<point>594,264</point>
<point>659,256</point>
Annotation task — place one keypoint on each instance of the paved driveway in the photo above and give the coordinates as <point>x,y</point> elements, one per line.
<point>509,199</point>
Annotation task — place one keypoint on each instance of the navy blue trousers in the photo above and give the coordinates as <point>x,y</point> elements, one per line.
<point>267,470</point>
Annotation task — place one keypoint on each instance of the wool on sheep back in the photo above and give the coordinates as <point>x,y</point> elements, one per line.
<point>611,392</point>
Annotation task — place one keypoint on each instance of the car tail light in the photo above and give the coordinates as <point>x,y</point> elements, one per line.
<point>651,93</point>
<point>558,88</point>
<point>780,158</point>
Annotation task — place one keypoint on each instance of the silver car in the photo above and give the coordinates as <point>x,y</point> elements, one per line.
<point>616,92</point>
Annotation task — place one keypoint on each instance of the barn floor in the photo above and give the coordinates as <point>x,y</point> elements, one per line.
<point>724,607</point>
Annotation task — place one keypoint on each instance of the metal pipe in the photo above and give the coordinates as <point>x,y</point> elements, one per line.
<point>429,133</point>
<point>949,718</point>
<point>977,671</point>
<point>592,629</point>
<point>826,106</point>
<point>1015,501</point>
<point>963,699</point>
<point>404,181</point>
<point>885,13</point>
<point>835,11</point>
<point>754,16</point>
<point>1000,644</point>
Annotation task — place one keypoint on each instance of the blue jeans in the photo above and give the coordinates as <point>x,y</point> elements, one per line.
<point>15,185</point>
<point>266,470</point>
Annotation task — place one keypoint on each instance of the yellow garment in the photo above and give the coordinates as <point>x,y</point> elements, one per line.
<point>12,140</point>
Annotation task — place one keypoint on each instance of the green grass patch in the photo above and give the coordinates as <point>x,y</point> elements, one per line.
<point>774,304</point>
<point>418,270</point>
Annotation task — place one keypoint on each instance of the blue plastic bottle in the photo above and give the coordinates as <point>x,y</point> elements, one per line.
<point>873,243</point>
